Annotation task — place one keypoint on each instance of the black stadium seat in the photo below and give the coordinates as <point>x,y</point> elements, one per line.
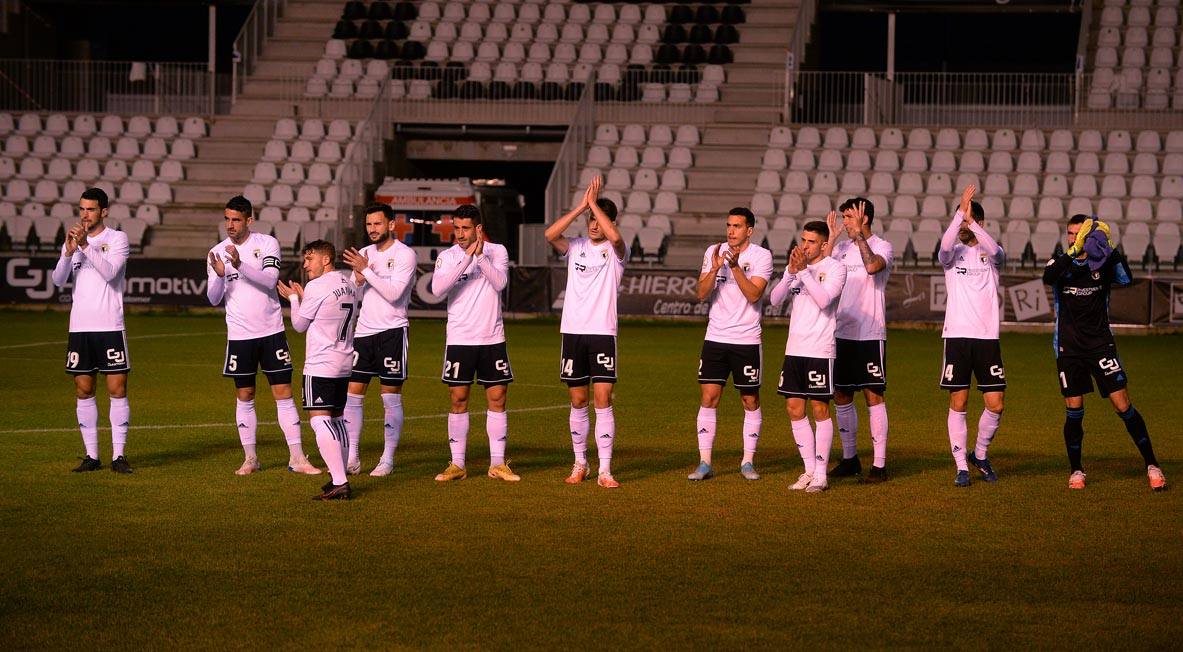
<point>381,11</point>
<point>680,14</point>
<point>551,91</point>
<point>345,29</point>
<point>455,71</point>
<point>370,29</point>
<point>629,93</point>
<point>720,54</point>
<point>361,49</point>
<point>667,54</point>
<point>414,50</point>
<point>524,90</point>
<point>673,34</point>
<point>694,54</point>
<point>635,73</point>
<point>688,75</point>
<point>354,10</point>
<point>499,90</point>
<point>471,90</point>
<point>733,15</point>
<point>387,49</point>
<point>706,14</point>
<point>726,34</point>
<point>701,34</point>
<point>445,90</point>
<point>405,11</point>
<point>574,91</point>
<point>429,70</point>
<point>604,92</point>
<point>396,30</point>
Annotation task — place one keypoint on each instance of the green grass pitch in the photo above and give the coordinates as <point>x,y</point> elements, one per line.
<point>184,553</point>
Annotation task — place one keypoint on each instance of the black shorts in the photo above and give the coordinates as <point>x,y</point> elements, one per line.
<point>861,364</point>
<point>811,378</point>
<point>741,361</point>
<point>271,354</point>
<point>980,358</point>
<point>325,393</point>
<point>488,363</point>
<point>90,353</point>
<point>587,359</point>
<point>383,355</point>
<point>1077,374</point>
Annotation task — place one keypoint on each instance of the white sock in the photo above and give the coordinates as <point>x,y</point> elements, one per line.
<point>958,434</point>
<point>88,422</point>
<point>289,423</point>
<point>458,436</point>
<point>706,425</point>
<point>580,422</point>
<point>392,425</point>
<point>353,420</point>
<point>248,425</point>
<point>752,420</point>
<point>987,426</point>
<point>878,414</point>
<point>497,427</point>
<point>803,435</point>
<point>605,436</point>
<point>120,416</point>
<point>824,438</point>
<point>847,417</point>
<point>330,439</point>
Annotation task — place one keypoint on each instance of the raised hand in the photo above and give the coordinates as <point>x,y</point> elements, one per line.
<point>966,198</point>
<point>72,235</point>
<point>832,223</point>
<point>216,263</point>
<point>796,260</point>
<point>286,290</point>
<point>480,239</point>
<point>355,259</point>
<point>860,216</point>
<point>731,256</point>
<point>235,259</point>
<point>593,190</point>
<point>80,236</point>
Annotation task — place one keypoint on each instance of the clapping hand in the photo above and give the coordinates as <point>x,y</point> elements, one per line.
<point>966,204</point>
<point>796,260</point>
<point>216,263</point>
<point>286,290</point>
<point>355,259</point>
<point>235,259</point>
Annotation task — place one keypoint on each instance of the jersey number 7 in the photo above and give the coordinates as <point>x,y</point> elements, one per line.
<point>347,323</point>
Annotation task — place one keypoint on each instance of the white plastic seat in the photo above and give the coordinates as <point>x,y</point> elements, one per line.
<point>59,169</point>
<point>115,171</point>
<point>836,138</point>
<point>170,171</point>
<point>972,161</point>
<point>285,130</point>
<point>182,150</point>
<point>1029,162</point>
<point>887,161</point>
<point>638,202</point>
<point>825,182</point>
<point>673,180</point>
<point>193,128</point>
<point>1084,185</point>
<point>863,139</point>
<point>618,179</point>
<point>1055,185</point>
<point>131,193</point>
<point>301,152</point>
<point>830,160</point>
<point>882,183</point>
<point>299,214</point>
<point>1004,140</point>
<point>1022,208</point>
<point>996,184</point>
<point>308,196</point>
<point>939,184</point>
<point>626,157</point>
<point>334,49</point>
<point>891,139</point>
<point>1119,141</point>
<point>84,125</point>
<point>1169,210</point>
<point>155,148</point>
<point>818,206</point>
<point>1000,162</point>
<point>904,206</point>
<point>31,169</point>
<point>74,189</point>
<point>666,202</point>
<point>768,181</point>
<point>808,138</point>
<point>790,205</point>
<point>780,138</point>
<point>661,136</point>
<point>599,156</point>
<point>680,158</point>
<point>1026,184</point>
<point>915,161</point>
<point>148,213</point>
<point>853,183</point>
<point>320,174</point>
<point>646,180</point>
<point>920,138</point>
<point>29,124</point>
<point>1061,141</point>
<point>328,152</point>
<point>762,203</point>
<point>1113,186</point>
<point>45,192</point>
<point>1090,141</point>
<point>932,207</point>
<point>975,139</point>
<point>1058,163</point>
<point>1050,208</point>
<point>1139,210</point>
<point>280,196</point>
<point>948,139</point>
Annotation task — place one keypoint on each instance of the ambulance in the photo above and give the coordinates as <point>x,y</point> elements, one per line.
<point>423,210</point>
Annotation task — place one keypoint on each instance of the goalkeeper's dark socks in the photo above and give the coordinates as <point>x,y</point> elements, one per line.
<point>1074,436</point>
<point>1136,426</point>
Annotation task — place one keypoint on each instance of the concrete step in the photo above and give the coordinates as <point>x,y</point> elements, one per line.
<point>760,54</point>
<point>765,34</point>
<point>703,180</point>
<point>328,12</point>
<point>248,127</point>
<point>295,49</point>
<point>756,136</point>
<point>205,192</point>
<point>205,218</point>
<point>299,28</point>
<point>747,115</point>
<point>231,149</point>
<point>755,74</point>
<point>222,171</point>
<point>274,68</point>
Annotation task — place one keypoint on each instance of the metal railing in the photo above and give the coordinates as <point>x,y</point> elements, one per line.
<point>366,149</point>
<point>434,96</point>
<point>132,87</point>
<point>795,56</point>
<point>248,45</point>
<point>1015,100</point>
<point>565,173</point>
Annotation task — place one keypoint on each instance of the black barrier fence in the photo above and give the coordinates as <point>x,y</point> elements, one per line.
<point>914,296</point>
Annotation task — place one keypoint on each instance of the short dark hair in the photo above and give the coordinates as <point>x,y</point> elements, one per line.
<point>321,247</point>
<point>976,212</point>
<point>240,204</point>
<point>379,207</point>
<point>467,212</point>
<point>608,206</point>
<point>95,194</point>
<point>868,207</point>
<point>1078,219</point>
<point>744,213</point>
<point>819,227</point>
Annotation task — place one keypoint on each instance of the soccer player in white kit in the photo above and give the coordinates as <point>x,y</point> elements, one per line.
<point>387,269</point>
<point>814,281</point>
<point>861,335</point>
<point>734,275</point>
<point>242,271</point>
<point>97,258</point>
<point>327,310</point>
<point>595,265</point>
<point>972,260</point>
<point>471,274</point>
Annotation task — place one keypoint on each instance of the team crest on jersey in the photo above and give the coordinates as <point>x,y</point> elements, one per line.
<point>746,267</point>
<point>390,264</point>
<point>103,247</point>
<point>1096,276</point>
<point>257,253</point>
<point>821,277</point>
<point>983,258</point>
<point>604,255</point>
<point>439,262</point>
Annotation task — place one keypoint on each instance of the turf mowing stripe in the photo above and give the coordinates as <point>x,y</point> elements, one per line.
<point>134,337</point>
<point>261,423</point>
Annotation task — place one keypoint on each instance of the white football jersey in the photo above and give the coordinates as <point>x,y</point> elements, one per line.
<point>391,270</point>
<point>593,282</point>
<point>862,306</point>
<point>252,310</point>
<point>99,272</point>
<point>812,326</point>
<point>733,319</point>
<point>971,293</point>
<point>473,287</point>
<point>331,302</point>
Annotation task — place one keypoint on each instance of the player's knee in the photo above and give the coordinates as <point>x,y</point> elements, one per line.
<point>246,394</point>
<point>750,401</point>
<point>459,405</point>
<point>83,394</point>
<point>821,411</point>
